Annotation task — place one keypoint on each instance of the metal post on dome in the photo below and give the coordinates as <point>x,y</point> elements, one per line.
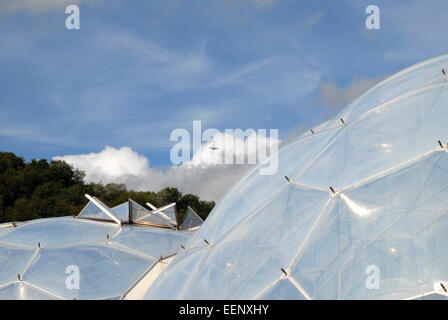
<point>284,271</point>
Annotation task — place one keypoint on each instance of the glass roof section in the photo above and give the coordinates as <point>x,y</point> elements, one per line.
<point>23,291</point>
<point>122,212</point>
<point>40,259</point>
<point>191,220</point>
<point>155,217</point>
<point>97,210</point>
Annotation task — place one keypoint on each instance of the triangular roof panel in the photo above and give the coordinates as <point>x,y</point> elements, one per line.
<point>191,221</point>
<point>140,214</point>
<point>97,210</point>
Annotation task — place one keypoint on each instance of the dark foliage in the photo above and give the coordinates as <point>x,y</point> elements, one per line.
<point>39,189</point>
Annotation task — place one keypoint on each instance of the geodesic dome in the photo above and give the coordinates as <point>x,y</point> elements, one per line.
<point>112,249</point>
<point>356,210</point>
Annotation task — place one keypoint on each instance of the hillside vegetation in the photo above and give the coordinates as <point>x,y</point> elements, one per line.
<point>40,189</point>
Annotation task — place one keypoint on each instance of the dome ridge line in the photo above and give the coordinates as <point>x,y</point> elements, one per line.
<point>392,169</point>
<point>305,241</point>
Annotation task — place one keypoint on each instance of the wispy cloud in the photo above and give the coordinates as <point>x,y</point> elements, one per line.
<point>312,19</point>
<point>271,80</point>
<point>235,76</point>
<point>258,4</point>
<point>262,3</point>
<point>178,69</point>
<point>152,53</point>
<point>34,135</point>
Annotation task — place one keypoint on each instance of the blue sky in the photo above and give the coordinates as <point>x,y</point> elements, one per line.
<point>136,70</point>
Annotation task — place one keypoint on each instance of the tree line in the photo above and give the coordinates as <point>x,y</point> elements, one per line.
<point>41,189</point>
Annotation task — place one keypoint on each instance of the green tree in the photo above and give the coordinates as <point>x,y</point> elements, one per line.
<point>39,189</point>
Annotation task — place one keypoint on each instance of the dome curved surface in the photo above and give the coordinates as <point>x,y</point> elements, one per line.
<point>40,258</point>
<point>362,215</point>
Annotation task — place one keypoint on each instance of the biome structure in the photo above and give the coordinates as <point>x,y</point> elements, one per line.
<point>358,208</point>
<point>103,253</point>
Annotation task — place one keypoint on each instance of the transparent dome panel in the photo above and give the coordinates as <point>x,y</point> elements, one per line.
<point>412,78</point>
<point>13,261</point>
<point>191,220</point>
<point>23,291</point>
<point>154,242</point>
<point>140,214</point>
<point>381,139</point>
<point>122,212</point>
<point>433,296</point>
<point>256,189</point>
<point>392,234</point>
<point>169,214</point>
<point>377,233</point>
<point>93,211</point>
<point>281,290</point>
<point>417,183</point>
<point>169,284</point>
<point>4,230</point>
<point>59,231</point>
<point>103,271</point>
<point>273,234</point>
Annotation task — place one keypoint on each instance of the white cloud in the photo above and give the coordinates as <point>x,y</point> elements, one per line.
<point>338,97</point>
<point>246,150</point>
<point>110,162</point>
<point>207,178</point>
